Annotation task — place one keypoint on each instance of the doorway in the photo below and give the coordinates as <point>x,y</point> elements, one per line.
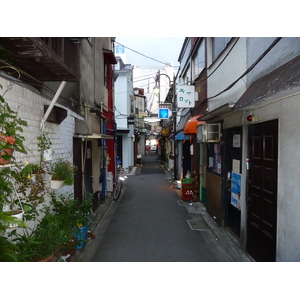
<point>186,157</point>
<point>233,163</point>
<point>262,191</point>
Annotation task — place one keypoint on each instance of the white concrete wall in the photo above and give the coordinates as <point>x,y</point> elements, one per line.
<point>31,109</point>
<point>122,101</point>
<point>286,49</point>
<point>232,67</point>
<point>287,111</point>
<point>128,151</point>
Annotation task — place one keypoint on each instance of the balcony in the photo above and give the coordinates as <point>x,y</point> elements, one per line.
<point>42,59</point>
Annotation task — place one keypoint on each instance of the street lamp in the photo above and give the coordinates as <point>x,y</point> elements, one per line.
<point>156,89</point>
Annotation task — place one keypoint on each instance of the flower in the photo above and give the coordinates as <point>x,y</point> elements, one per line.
<point>6,139</point>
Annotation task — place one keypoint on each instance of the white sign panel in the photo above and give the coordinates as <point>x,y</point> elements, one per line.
<point>186,96</point>
<point>119,49</point>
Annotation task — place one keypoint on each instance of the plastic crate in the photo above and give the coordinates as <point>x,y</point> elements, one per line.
<point>187,180</point>
<point>187,194</point>
<point>187,186</point>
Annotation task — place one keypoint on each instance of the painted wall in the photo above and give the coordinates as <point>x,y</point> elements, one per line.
<point>30,104</point>
<point>286,49</point>
<point>286,110</point>
<point>228,71</point>
<point>123,98</point>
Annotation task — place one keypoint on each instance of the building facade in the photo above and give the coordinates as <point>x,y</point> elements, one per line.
<point>252,92</point>
<point>65,89</point>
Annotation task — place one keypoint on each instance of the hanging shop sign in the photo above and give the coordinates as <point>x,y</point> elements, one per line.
<point>186,96</point>
<point>164,113</point>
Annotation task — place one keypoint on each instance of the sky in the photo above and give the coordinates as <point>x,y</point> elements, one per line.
<point>162,49</point>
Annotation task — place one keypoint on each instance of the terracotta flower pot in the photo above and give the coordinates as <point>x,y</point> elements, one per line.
<point>6,152</point>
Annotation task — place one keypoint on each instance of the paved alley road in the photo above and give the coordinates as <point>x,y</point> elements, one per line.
<point>149,225</point>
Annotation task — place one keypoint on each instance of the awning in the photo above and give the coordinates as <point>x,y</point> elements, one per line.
<point>109,57</point>
<point>82,127</point>
<point>281,82</point>
<point>96,136</point>
<point>83,130</point>
<point>190,126</point>
<point>180,136</point>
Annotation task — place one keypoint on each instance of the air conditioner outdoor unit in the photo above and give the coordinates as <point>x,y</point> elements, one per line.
<point>209,133</point>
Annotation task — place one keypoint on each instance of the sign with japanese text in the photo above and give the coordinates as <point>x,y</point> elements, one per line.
<point>186,96</point>
<point>236,189</point>
<point>165,105</point>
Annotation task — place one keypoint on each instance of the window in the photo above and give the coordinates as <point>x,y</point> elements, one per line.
<point>105,73</point>
<point>199,60</point>
<point>184,79</point>
<point>218,45</point>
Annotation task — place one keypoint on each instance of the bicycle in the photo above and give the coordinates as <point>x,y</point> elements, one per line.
<point>118,184</point>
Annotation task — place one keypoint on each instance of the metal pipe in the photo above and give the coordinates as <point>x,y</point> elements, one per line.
<point>53,101</point>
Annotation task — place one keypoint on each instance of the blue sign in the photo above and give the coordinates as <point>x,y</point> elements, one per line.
<point>236,189</point>
<point>119,49</point>
<point>163,113</point>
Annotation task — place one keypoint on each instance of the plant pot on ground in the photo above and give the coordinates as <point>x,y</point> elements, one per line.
<point>44,241</point>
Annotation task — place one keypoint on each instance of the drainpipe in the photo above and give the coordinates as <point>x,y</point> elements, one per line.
<point>103,190</point>
<point>53,101</point>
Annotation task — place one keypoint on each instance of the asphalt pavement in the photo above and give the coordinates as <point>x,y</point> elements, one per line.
<point>150,223</point>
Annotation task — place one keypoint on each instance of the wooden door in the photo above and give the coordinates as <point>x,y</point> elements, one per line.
<point>262,191</point>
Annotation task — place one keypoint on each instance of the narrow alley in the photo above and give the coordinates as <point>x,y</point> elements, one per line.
<point>150,223</point>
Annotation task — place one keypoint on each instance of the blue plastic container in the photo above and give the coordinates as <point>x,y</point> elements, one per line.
<point>81,234</point>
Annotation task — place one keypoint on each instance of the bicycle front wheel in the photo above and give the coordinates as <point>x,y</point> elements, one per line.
<point>117,190</point>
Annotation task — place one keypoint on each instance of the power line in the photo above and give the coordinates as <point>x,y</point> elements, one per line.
<point>164,63</point>
<point>198,81</point>
<point>245,73</point>
<point>250,68</point>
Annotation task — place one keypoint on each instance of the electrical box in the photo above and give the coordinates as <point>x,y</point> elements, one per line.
<point>109,182</point>
<point>209,133</point>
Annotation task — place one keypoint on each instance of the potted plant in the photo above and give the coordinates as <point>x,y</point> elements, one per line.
<point>83,215</point>
<point>76,213</point>
<point>11,129</point>
<point>44,146</point>
<point>62,171</point>
<point>43,242</point>
<point>171,155</point>
<point>11,139</point>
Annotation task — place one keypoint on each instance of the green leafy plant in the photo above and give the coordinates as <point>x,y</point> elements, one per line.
<point>11,128</point>
<point>7,250</point>
<point>77,213</point>
<point>11,139</point>
<point>44,142</point>
<point>63,170</point>
<point>51,233</point>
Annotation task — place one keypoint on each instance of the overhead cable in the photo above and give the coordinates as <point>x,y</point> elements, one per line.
<point>198,81</point>
<point>164,63</point>
<point>249,69</point>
